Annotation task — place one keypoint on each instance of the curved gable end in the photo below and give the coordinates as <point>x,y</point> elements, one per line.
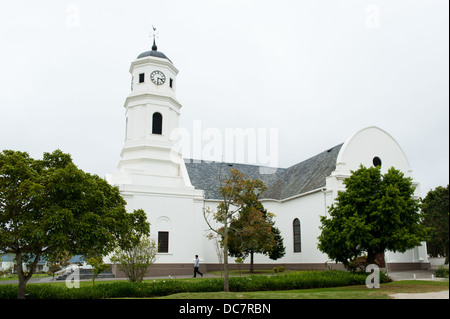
<point>370,146</point>
<point>366,145</point>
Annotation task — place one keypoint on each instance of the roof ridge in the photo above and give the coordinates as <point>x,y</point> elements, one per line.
<point>281,183</point>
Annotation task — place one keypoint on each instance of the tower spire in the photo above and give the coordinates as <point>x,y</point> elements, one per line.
<point>154,47</point>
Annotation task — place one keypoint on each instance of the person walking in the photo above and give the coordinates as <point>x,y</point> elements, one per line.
<point>197,262</point>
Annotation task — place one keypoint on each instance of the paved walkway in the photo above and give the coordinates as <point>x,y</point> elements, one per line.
<point>428,295</point>
<point>418,275</point>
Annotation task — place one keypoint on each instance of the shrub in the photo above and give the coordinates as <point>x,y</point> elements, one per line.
<point>358,264</point>
<point>441,272</point>
<point>279,269</point>
<point>8,291</point>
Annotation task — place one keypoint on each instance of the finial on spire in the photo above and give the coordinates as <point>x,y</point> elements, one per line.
<point>154,47</point>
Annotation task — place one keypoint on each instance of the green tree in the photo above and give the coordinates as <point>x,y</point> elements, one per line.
<point>98,266</point>
<point>376,213</point>
<point>435,207</point>
<point>57,260</point>
<point>237,190</point>
<point>254,232</point>
<point>50,206</point>
<point>134,261</point>
<point>279,250</point>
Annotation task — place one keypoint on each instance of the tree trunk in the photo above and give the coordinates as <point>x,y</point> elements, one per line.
<point>251,262</point>
<point>21,289</point>
<point>23,279</point>
<point>371,257</point>
<point>226,286</point>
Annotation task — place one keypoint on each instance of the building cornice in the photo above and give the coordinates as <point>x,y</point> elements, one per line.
<point>321,189</point>
<point>140,96</point>
<point>153,61</point>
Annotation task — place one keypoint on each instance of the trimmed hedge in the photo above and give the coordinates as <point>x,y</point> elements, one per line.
<point>288,281</point>
<point>441,272</point>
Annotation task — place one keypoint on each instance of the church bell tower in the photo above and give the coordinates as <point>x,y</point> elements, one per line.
<point>150,156</point>
<point>151,173</point>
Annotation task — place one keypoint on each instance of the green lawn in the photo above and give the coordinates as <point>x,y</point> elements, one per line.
<point>16,277</point>
<point>351,292</point>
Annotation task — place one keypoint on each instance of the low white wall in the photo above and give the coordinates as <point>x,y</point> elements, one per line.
<point>435,262</point>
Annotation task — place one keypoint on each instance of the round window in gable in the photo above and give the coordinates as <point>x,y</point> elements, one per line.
<point>376,161</point>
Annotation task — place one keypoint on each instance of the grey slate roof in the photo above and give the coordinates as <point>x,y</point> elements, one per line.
<point>12,258</point>
<point>153,53</point>
<point>282,183</point>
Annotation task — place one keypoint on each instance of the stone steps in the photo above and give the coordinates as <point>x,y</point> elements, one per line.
<point>88,274</point>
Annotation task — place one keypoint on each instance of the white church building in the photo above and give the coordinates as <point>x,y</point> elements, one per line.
<point>152,175</point>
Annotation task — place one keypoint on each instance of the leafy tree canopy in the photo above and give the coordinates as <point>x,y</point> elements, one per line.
<point>254,231</point>
<point>376,213</point>
<point>50,206</point>
<point>435,207</point>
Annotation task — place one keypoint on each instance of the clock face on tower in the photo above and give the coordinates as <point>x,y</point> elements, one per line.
<point>158,77</point>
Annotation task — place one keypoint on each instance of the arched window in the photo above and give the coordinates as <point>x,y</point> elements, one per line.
<point>157,123</point>
<point>297,236</point>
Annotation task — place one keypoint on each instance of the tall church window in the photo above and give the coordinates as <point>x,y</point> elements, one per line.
<point>141,77</point>
<point>157,123</point>
<point>297,236</point>
<point>163,242</point>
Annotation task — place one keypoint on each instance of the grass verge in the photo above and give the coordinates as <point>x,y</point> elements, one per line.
<point>350,292</point>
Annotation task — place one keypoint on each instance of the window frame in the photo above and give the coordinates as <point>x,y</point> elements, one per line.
<point>141,77</point>
<point>297,235</point>
<point>157,123</point>
<point>163,240</point>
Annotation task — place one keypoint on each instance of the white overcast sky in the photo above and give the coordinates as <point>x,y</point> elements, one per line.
<point>318,71</point>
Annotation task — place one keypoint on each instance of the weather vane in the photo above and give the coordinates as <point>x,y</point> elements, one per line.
<point>155,35</point>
